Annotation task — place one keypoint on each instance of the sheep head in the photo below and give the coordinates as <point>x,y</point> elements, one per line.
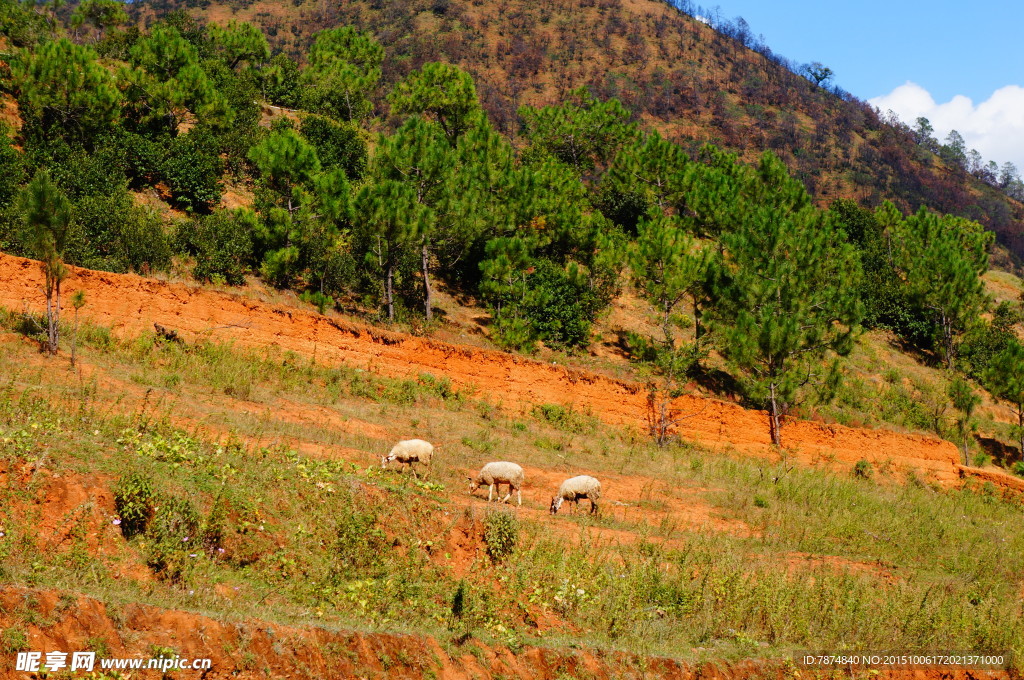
<point>556,503</point>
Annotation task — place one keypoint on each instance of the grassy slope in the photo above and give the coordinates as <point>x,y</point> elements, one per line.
<point>709,557</point>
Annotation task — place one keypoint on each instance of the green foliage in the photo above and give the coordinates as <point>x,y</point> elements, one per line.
<point>582,133</point>
<point>285,161</point>
<point>648,179</point>
<point>441,91</point>
<point>863,469</point>
<point>192,169</point>
<point>391,220</point>
<point>564,418</point>
<point>887,301</point>
<point>173,537</point>
<point>280,81</point>
<point>786,292</point>
<point>63,90</point>
<point>501,533</point>
<point>239,42</point>
<point>134,500</point>
<point>1004,378</point>
<point>668,266</point>
<point>964,400</point>
<point>12,170</point>
<point>984,340</point>
<point>23,24</point>
<point>338,145</point>
<point>168,84</point>
<point>100,15</point>
<point>120,235</point>
<point>343,70</point>
<point>360,544</point>
<point>942,259</point>
<point>222,244</point>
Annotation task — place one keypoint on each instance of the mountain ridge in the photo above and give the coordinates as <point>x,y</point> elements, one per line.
<point>676,74</point>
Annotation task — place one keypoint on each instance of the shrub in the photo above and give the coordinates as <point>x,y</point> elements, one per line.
<point>120,235</point>
<point>192,170</point>
<point>222,245</point>
<point>501,532</point>
<point>863,469</point>
<point>133,500</point>
<point>564,418</point>
<point>175,535</point>
<point>361,544</point>
<point>337,144</point>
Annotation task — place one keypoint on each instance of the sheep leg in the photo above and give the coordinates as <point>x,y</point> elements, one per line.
<point>519,494</point>
<point>593,507</point>
<point>508,495</point>
<point>490,492</point>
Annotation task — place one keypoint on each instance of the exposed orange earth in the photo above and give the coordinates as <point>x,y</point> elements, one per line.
<point>130,305</point>
<point>249,650</point>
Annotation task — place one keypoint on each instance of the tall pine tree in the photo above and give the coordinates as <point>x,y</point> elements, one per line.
<point>786,290</point>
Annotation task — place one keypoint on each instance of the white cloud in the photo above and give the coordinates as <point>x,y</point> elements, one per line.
<point>995,127</point>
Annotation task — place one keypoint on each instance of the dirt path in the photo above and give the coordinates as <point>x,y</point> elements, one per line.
<point>131,304</point>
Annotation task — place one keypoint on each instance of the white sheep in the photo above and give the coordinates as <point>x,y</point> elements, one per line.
<point>494,475</point>
<point>575,488</point>
<point>410,452</point>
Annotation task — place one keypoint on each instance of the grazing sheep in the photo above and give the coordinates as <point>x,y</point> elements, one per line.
<point>410,452</point>
<point>494,475</point>
<point>575,488</point>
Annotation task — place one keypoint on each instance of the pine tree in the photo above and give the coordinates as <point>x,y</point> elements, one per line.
<point>167,83</point>
<point>392,219</point>
<point>655,169</point>
<point>942,259</point>
<point>238,42</point>
<point>63,88</point>
<point>343,70</point>
<point>964,401</point>
<point>288,165</point>
<point>419,156</point>
<point>669,266</point>
<point>1005,380</point>
<point>786,290</point>
<point>47,214</point>
<point>582,133</point>
<point>440,91</point>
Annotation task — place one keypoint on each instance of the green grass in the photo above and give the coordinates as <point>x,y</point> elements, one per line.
<point>339,544</point>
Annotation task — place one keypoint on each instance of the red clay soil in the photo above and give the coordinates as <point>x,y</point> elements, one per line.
<point>257,649</point>
<point>131,304</point>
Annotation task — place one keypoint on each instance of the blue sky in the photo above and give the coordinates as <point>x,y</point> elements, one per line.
<point>950,53</point>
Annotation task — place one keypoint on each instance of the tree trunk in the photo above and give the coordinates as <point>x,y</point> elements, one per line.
<point>1020,426</point>
<point>775,423</point>
<point>947,338</point>
<point>389,291</point>
<point>49,318</point>
<point>427,293</point>
<point>698,333</point>
<point>74,337</point>
<point>56,321</point>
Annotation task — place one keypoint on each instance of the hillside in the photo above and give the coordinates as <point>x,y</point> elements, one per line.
<point>677,74</point>
<point>231,280</point>
<point>277,546</point>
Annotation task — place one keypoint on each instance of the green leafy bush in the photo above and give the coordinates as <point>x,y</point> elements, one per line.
<point>501,533</point>
<point>134,501</point>
<point>192,170</point>
<point>221,243</point>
